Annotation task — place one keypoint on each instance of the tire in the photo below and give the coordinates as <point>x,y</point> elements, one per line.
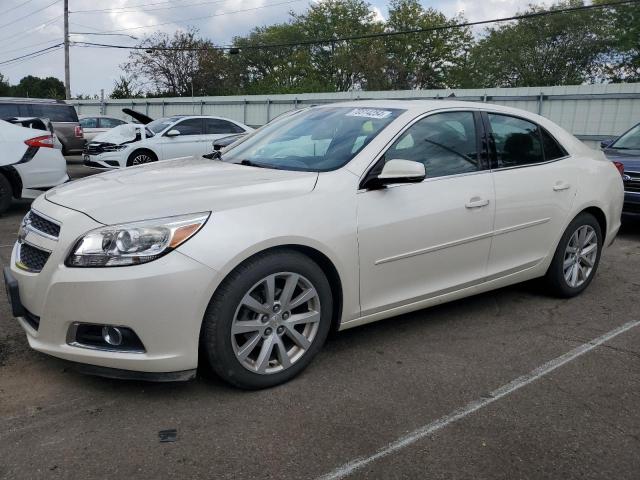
<point>556,277</point>
<point>6,194</point>
<point>140,157</point>
<point>227,312</point>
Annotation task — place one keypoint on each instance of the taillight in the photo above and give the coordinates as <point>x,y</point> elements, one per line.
<point>620,167</point>
<point>79,132</point>
<point>43,141</point>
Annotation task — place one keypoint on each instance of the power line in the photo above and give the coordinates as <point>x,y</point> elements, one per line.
<point>29,14</point>
<point>201,17</point>
<point>16,7</point>
<point>136,8</point>
<point>14,37</point>
<point>369,35</point>
<point>52,47</point>
<point>31,45</point>
<point>19,62</point>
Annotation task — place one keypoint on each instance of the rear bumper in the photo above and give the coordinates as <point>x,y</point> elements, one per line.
<point>631,205</point>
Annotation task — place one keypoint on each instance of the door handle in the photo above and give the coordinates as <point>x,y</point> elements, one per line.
<point>559,186</point>
<point>476,202</point>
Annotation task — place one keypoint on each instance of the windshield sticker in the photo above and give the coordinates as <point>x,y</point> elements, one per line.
<point>368,113</point>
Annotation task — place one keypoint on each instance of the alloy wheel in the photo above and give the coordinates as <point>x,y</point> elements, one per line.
<point>141,159</point>
<point>276,323</point>
<point>580,256</point>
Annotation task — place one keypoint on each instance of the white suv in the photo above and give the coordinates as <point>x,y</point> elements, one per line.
<point>171,137</point>
<point>29,164</point>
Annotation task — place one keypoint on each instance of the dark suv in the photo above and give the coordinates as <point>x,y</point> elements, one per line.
<point>63,117</point>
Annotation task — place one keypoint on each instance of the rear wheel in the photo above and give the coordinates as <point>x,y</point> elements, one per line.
<point>6,193</point>
<point>576,258</point>
<point>140,157</point>
<point>267,320</point>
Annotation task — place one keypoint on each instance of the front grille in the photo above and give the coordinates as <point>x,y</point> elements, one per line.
<point>44,225</point>
<point>633,184</point>
<point>32,258</point>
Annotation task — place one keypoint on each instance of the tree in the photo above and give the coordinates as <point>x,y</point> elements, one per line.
<point>560,49</point>
<point>424,60</point>
<point>622,24</point>
<point>35,87</point>
<point>5,88</point>
<point>124,87</point>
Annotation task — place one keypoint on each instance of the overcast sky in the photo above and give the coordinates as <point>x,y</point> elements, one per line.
<point>27,26</point>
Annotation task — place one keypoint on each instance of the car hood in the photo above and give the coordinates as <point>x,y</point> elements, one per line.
<point>176,187</point>
<point>629,158</point>
<point>121,134</point>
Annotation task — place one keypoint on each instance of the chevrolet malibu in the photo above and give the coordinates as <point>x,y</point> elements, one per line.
<point>335,217</point>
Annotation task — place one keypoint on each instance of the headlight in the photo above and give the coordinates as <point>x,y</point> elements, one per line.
<point>113,148</point>
<point>134,243</point>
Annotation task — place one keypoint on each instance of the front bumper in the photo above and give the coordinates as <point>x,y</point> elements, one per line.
<point>631,205</point>
<point>162,301</point>
<point>104,161</point>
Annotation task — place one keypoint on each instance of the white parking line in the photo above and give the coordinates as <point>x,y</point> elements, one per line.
<point>518,383</point>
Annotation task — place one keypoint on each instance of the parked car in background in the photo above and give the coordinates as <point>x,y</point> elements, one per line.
<point>62,116</point>
<point>93,125</point>
<point>38,124</point>
<point>625,152</point>
<point>178,136</point>
<point>29,164</point>
<point>337,216</point>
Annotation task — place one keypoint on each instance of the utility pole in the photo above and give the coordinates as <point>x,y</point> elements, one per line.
<point>67,81</point>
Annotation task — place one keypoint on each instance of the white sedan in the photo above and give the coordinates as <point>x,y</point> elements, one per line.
<point>178,136</point>
<point>338,216</point>
<point>29,164</point>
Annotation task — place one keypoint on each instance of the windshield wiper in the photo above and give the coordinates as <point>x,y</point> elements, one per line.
<point>249,163</point>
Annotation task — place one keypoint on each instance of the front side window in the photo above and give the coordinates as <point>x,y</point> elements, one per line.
<point>90,122</point>
<point>160,124</point>
<point>629,141</point>
<point>215,126</point>
<point>315,140</point>
<point>446,143</point>
<point>192,126</point>
<point>517,142</point>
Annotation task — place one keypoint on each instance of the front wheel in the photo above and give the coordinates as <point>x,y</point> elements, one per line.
<point>267,320</point>
<point>140,157</point>
<point>576,258</point>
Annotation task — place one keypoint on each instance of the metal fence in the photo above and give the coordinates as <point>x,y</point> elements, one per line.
<point>591,112</point>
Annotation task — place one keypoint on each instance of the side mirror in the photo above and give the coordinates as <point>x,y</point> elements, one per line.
<point>172,133</point>
<point>398,171</point>
<point>607,143</point>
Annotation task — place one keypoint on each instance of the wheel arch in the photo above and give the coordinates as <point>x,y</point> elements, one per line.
<point>600,217</point>
<point>320,258</point>
<point>143,149</point>
<point>12,175</point>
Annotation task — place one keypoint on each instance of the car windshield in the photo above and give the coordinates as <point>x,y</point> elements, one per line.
<point>630,140</point>
<point>160,124</point>
<point>315,140</point>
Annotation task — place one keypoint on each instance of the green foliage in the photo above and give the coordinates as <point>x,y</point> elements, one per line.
<point>560,49</point>
<point>33,87</point>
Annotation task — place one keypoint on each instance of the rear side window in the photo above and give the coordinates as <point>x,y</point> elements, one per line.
<point>90,122</point>
<point>216,126</point>
<point>55,112</point>
<point>192,126</point>
<point>517,141</point>
<point>552,149</point>
<point>446,143</point>
<point>110,122</point>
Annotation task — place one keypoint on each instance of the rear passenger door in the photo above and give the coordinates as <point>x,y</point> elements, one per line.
<point>535,185</point>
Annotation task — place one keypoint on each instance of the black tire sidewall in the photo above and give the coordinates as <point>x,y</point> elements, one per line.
<point>6,193</point>
<point>216,336</point>
<point>555,275</point>
<point>135,153</point>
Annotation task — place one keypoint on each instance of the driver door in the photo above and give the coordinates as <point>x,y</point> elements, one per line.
<point>189,142</point>
<point>422,240</point>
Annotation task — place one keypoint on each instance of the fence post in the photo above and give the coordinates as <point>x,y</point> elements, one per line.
<point>146,108</point>
<point>268,110</point>
<point>540,100</point>
<point>201,107</point>
<point>103,107</point>
<point>163,107</point>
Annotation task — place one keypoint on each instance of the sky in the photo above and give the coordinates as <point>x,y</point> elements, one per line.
<point>30,25</point>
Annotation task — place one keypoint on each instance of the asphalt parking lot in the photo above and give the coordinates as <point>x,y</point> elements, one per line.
<point>415,378</point>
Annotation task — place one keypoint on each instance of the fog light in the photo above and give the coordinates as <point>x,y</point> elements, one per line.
<point>112,335</point>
